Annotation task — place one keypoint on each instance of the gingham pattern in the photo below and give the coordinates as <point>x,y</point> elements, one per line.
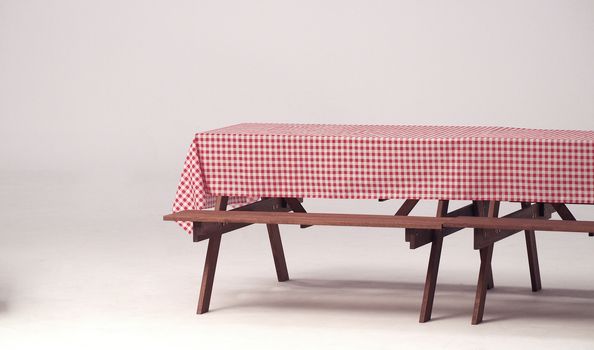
<point>248,161</point>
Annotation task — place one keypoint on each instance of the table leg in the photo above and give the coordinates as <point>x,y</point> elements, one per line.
<point>433,267</point>
<point>481,209</point>
<point>533,261</point>
<point>481,289</point>
<point>533,253</point>
<point>490,282</point>
<point>210,264</point>
<point>431,280</point>
<point>485,271</point>
<point>277,252</point>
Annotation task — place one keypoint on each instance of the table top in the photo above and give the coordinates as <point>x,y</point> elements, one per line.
<point>248,161</point>
<point>402,131</point>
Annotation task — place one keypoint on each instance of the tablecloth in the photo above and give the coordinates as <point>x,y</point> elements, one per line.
<point>252,160</point>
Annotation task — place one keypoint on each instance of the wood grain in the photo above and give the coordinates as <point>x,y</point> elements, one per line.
<point>278,253</point>
<point>532,252</point>
<point>210,264</point>
<point>485,273</point>
<point>433,267</point>
<point>366,220</point>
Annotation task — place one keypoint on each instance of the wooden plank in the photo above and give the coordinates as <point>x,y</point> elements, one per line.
<point>203,230</point>
<point>366,220</point>
<point>518,224</point>
<point>325,219</point>
<point>433,267</point>
<point>419,237</point>
<point>296,207</point>
<point>491,236</point>
<point>210,264</point>
<point>566,214</point>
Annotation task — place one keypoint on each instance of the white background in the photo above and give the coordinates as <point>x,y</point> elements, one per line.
<point>99,101</point>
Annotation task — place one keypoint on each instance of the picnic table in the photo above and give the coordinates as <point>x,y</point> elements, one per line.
<point>257,173</point>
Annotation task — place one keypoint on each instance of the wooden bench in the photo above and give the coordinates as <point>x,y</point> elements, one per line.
<point>482,216</point>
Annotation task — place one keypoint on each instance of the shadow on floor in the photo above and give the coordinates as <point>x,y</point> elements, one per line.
<point>451,300</point>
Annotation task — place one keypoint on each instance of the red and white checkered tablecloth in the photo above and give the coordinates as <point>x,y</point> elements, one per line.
<point>248,161</point>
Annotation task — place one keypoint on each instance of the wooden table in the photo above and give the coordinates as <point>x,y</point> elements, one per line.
<point>265,170</point>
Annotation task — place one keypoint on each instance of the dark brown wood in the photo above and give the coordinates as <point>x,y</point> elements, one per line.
<point>491,236</point>
<point>490,280</point>
<point>204,230</point>
<point>221,202</point>
<point>433,266</point>
<point>535,224</point>
<point>296,207</point>
<point>493,209</point>
<point>532,253</point>
<point>365,220</point>
<point>566,214</point>
<point>563,211</point>
<point>278,253</point>
<point>210,264</point>
<point>212,224</point>
<point>485,209</point>
<point>325,219</point>
<point>419,237</point>
<point>407,207</point>
<point>485,271</point>
<point>481,289</point>
<point>404,210</point>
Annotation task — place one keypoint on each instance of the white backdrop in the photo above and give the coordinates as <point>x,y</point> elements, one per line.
<point>99,101</point>
<point>121,86</point>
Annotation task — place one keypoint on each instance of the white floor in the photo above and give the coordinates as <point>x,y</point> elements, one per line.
<point>76,272</point>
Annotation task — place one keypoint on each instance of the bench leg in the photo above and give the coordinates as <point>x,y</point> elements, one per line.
<point>431,280</point>
<point>210,264</point>
<point>481,289</point>
<point>277,252</point>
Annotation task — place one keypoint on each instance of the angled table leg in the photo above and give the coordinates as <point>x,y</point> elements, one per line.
<point>481,288</point>
<point>490,282</point>
<point>485,269</point>
<point>480,209</point>
<point>433,267</point>
<point>210,264</point>
<point>532,256</point>
<point>277,252</point>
